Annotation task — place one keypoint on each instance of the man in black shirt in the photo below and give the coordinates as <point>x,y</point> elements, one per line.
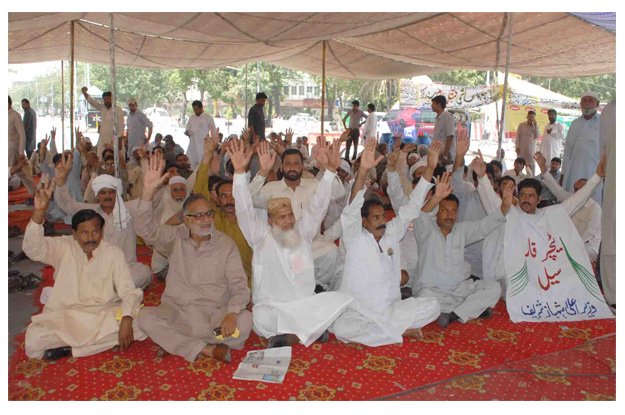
<point>256,116</point>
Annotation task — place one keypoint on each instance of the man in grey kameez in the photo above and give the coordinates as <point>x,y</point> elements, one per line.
<point>206,284</point>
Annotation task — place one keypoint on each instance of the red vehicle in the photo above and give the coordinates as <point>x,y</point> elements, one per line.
<point>416,124</point>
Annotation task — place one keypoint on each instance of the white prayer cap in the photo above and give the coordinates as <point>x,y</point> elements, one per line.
<point>177,179</point>
<point>344,165</point>
<point>233,137</point>
<point>590,94</point>
<point>87,139</point>
<point>132,100</point>
<point>421,163</point>
<point>121,217</point>
<point>413,156</point>
<point>106,181</point>
<point>135,148</point>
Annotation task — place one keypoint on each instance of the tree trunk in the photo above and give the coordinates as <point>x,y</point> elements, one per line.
<point>276,98</point>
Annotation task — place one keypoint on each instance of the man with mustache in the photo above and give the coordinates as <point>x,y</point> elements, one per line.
<point>286,308</point>
<point>300,190</point>
<point>442,271</point>
<point>94,302</point>
<point>378,315</point>
<point>225,208</point>
<point>119,227</point>
<point>106,125</point>
<point>203,308</point>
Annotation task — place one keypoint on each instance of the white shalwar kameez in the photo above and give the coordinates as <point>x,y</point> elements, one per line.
<point>551,145</point>
<point>283,280</point>
<point>198,127</point>
<point>378,316</point>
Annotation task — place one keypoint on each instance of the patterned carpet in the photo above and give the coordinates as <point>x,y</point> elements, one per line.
<point>482,360</point>
<point>336,371</point>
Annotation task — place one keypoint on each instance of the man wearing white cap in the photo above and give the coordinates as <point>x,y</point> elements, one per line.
<point>137,123</point>
<point>582,147</point>
<point>168,212</point>
<point>286,308</point>
<point>118,228</point>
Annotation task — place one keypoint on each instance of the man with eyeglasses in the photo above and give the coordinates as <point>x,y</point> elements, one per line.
<point>118,228</point>
<point>203,308</point>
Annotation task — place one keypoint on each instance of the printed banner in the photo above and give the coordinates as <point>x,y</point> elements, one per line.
<point>413,94</point>
<point>548,272</point>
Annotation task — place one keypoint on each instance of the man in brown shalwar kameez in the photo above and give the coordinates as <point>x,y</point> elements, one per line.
<point>206,284</point>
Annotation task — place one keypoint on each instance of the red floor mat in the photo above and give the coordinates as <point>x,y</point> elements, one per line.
<point>332,371</point>
<point>20,195</point>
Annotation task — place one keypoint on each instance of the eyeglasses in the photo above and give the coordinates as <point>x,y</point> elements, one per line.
<point>200,215</point>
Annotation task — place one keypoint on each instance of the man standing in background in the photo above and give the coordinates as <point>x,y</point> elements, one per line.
<point>551,146</point>
<point>200,123</point>
<point>354,128</point>
<point>30,127</point>
<point>525,143</point>
<point>137,122</point>
<point>106,125</point>
<point>256,116</point>
<point>17,137</point>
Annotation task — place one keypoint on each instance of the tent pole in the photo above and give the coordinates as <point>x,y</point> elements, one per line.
<point>505,84</point>
<point>245,96</point>
<point>71,88</point>
<point>63,105</point>
<point>114,97</point>
<point>323,83</point>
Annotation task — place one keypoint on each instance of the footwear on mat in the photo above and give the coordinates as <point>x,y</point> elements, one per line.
<point>20,257</point>
<point>446,318</point>
<point>486,313</point>
<point>14,231</point>
<point>319,289</point>
<point>282,340</point>
<point>221,352</point>
<point>324,337</point>
<point>58,353</point>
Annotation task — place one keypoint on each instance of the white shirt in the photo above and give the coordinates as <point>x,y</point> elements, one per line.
<point>106,126</point>
<point>551,145</point>
<point>198,127</point>
<point>441,259</point>
<point>17,136</point>
<point>517,177</point>
<point>137,123</point>
<point>369,129</point>
<point>581,153</point>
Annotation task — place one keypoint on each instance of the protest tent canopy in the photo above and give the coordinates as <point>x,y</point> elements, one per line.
<point>365,46</point>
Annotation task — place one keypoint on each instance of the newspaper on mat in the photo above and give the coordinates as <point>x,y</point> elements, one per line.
<point>269,365</point>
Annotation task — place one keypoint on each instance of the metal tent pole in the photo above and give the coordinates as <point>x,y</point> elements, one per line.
<point>505,84</point>
<point>63,105</point>
<point>114,95</point>
<point>323,83</point>
<point>71,87</point>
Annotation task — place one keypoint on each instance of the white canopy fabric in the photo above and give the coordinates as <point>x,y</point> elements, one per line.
<point>359,45</point>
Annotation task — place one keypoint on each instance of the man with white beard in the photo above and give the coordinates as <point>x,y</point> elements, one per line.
<point>378,316</point>
<point>286,309</point>
<point>167,212</point>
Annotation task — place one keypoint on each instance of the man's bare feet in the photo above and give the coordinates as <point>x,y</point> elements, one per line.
<point>415,333</point>
<point>219,352</point>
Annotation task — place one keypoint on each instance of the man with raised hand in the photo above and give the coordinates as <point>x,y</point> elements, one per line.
<point>202,310</point>
<point>286,308</point>
<point>119,226</point>
<point>94,302</point>
<point>378,315</point>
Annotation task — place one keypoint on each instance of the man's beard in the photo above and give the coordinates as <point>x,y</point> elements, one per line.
<point>293,175</point>
<point>286,239</point>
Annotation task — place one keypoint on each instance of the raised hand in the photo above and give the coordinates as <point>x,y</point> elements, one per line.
<point>43,194</point>
<point>53,132</point>
<point>433,153</point>
<point>152,177</point>
<point>63,168</point>
<point>462,146</point>
<point>266,156</point>
<point>479,167</point>
<point>211,141</point>
<point>345,135</point>
<point>408,147</point>
<point>246,134</point>
<point>320,152</point>
<point>334,155</point>
<point>443,186</point>
<point>393,156</point>
<point>367,158</point>
<point>507,195</point>
<point>289,136</point>
<point>239,156</point>
<point>541,161</point>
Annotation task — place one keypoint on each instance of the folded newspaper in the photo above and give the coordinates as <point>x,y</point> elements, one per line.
<point>269,365</point>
